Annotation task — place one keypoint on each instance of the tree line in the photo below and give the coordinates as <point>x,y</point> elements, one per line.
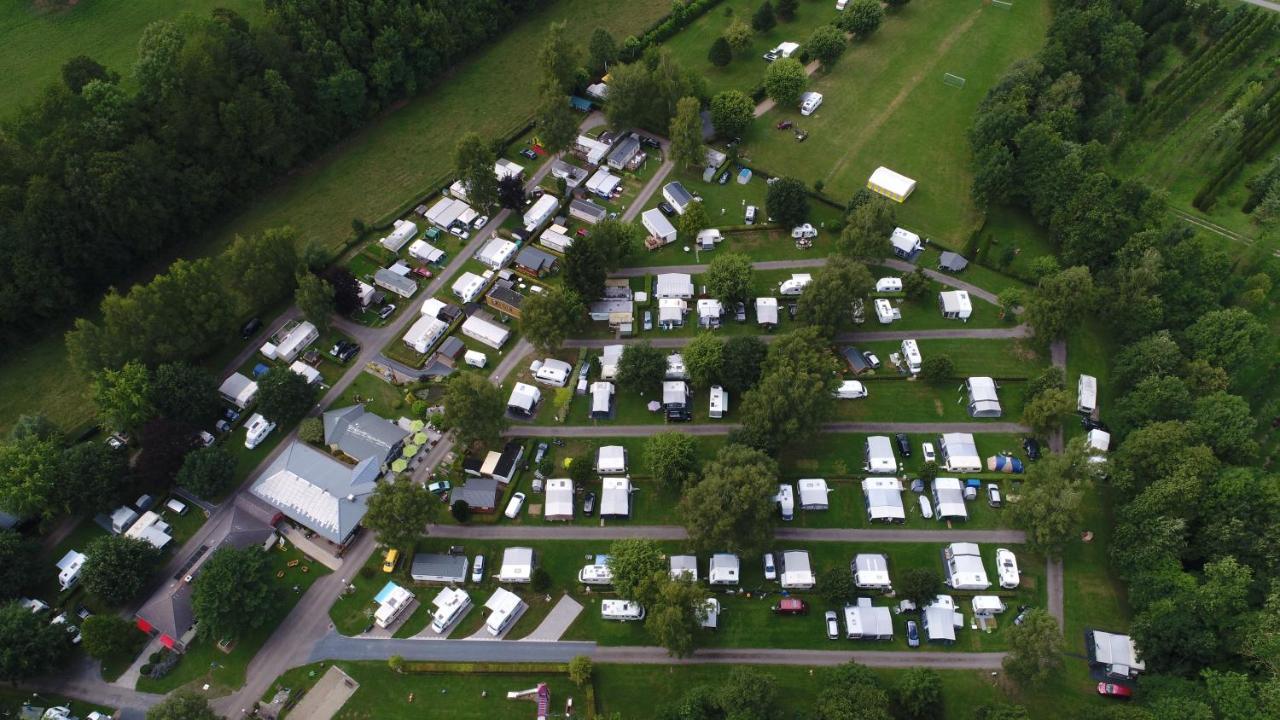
<point>1196,510</point>
<point>97,175</point>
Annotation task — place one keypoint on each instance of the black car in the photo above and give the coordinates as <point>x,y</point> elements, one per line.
<point>529,153</point>
<point>250,328</point>
<point>1031,447</point>
<point>649,142</point>
<point>1090,424</point>
<point>740,312</point>
<point>904,444</point>
<point>666,208</point>
<point>344,350</point>
<point>589,505</point>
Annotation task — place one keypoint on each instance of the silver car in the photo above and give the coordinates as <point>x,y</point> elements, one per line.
<point>833,625</point>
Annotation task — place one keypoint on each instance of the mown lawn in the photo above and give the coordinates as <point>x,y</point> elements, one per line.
<point>885,104</point>
<point>36,41</point>
<point>204,662</point>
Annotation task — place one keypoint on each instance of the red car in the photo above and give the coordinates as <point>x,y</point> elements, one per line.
<point>790,606</point>
<point>422,271</point>
<point>1107,689</point>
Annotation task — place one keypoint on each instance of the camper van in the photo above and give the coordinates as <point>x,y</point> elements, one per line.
<point>810,102</point>
<point>786,500</point>
<point>257,430</point>
<point>719,402</point>
<point>595,575</point>
<point>621,610</point>
<point>911,356</point>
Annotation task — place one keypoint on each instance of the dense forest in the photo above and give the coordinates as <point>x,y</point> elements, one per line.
<point>1197,534</point>
<point>96,178</point>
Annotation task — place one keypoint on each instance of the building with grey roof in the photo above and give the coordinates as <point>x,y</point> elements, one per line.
<point>480,494</point>
<point>623,152</point>
<point>318,491</point>
<point>587,211</point>
<point>361,435</point>
<point>535,262</point>
<point>398,284</point>
<point>438,567</point>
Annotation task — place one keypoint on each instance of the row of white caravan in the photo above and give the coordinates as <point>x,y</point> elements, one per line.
<point>957,452</point>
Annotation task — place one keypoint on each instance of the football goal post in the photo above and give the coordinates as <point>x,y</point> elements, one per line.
<point>953,80</point>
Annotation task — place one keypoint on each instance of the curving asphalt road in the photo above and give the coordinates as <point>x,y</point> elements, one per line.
<point>701,429</point>
<point>676,532</point>
<point>337,647</point>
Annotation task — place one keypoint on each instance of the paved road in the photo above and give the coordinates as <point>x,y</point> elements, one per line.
<point>1275,7</point>
<point>695,269</point>
<point>726,428</point>
<point>959,333</point>
<point>557,622</point>
<point>676,532</point>
<point>945,279</point>
<point>82,682</point>
<point>336,647</point>
<point>1053,570</point>
<point>652,186</point>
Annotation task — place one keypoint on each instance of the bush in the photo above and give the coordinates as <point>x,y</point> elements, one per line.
<point>460,510</point>
<point>937,369</point>
<point>311,430</point>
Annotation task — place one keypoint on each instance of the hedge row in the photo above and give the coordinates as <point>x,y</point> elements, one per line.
<point>486,668</point>
<point>680,17</point>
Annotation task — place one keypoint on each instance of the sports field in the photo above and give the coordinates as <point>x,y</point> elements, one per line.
<point>885,103</point>
<point>38,36</point>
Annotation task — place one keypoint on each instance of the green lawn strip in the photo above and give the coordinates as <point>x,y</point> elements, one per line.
<point>746,620</point>
<point>1000,359</point>
<point>897,399</point>
<point>984,277</point>
<point>1093,596</point>
<point>1089,351</point>
<point>747,69</point>
<point>624,688</point>
<point>36,378</point>
<point>1011,231</point>
<point>203,662</point>
<point>380,397</point>
<point>886,104</point>
<point>843,454</point>
<point>466,693</point>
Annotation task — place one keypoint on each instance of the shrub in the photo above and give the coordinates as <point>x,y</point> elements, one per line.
<point>540,580</point>
<point>311,430</point>
<point>460,510</point>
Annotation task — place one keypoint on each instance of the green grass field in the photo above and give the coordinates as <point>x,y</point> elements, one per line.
<point>885,104</point>
<point>38,36</point>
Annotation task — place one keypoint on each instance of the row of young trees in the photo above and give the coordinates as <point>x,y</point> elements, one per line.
<point>1191,536</point>
<point>100,174</point>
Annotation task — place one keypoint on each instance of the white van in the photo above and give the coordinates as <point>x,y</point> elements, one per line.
<point>719,402</point>
<point>257,430</point>
<point>889,284</point>
<point>850,390</point>
<point>911,356</point>
<point>621,610</point>
<point>513,507</point>
<point>786,501</point>
<point>177,506</point>
<point>810,102</point>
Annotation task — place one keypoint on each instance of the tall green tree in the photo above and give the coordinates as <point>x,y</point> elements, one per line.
<point>731,112</point>
<point>827,303</point>
<point>106,636</point>
<point>184,392</point>
<point>743,358</point>
<point>693,221</point>
<point>675,616</point>
<point>123,396</point>
<point>19,564</point>
<point>641,368</point>
<point>787,202</point>
<point>673,459</point>
<point>917,694</point>
<point>30,646</point>
<point>732,507</point>
<point>118,568</point>
<point>786,9</point>
<point>586,265</point>
<point>633,563</point>
<point>785,81</point>
<point>399,512</point>
<point>728,276</point>
<point>704,359</point>
<point>739,35</point>
<point>686,134</point>
<point>473,161</point>
<point>315,298</point>
<point>284,397</point>
<point>547,318</point>
<point>794,395</point>
<point>602,50</point>
<point>866,232</point>
<point>557,123</point>
<point>826,44</point>
<point>1050,503</point>
<point>474,409</point>
<point>920,585</point>
<point>1045,412</point>
<point>30,477</point>
<point>1035,648</point>
<point>560,60</point>
<point>764,19</point>
<point>208,472</point>
<point>861,18</point>
<point>93,477</point>
<point>1060,302</point>
<point>749,694</point>
<point>720,54</point>
<point>234,593</point>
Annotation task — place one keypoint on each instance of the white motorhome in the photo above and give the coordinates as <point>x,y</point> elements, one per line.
<point>911,356</point>
<point>810,102</point>
<point>786,502</point>
<point>719,402</point>
<point>595,575</point>
<point>621,610</point>
<point>257,430</point>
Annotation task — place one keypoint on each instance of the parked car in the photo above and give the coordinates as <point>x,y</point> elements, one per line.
<point>206,438</point>
<point>740,312</point>
<point>804,232</point>
<point>913,634</point>
<point>833,625</point>
<point>117,441</point>
<point>589,505</point>
<point>993,495</point>
<point>770,569</point>
<point>440,487</point>
<point>1107,689</point>
<point>389,562</point>
<point>926,507</point>
<point>422,272</point>
<point>1088,423</point>
<point>479,222</point>
<point>230,414</point>
<point>648,320</point>
<point>477,569</point>
<point>529,153</point>
<point>904,444</point>
<point>928,453</point>
<point>871,359</point>
<point>513,507</point>
<point>790,606</point>
<point>1031,447</point>
<point>751,215</point>
<point>387,311</point>
<point>250,328</point>
<point>540,453</point>
<point>459,229</point>
<point>1022,615</point>
<point>650,142</point>
<point>72,630</point>
<point>344,350</point>
<point>666,208</point>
